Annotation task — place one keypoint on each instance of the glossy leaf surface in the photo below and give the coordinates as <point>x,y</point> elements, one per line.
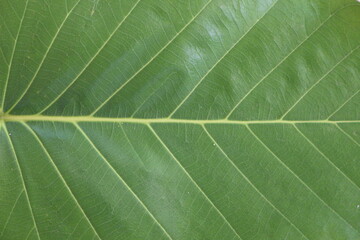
<point>191,119</point>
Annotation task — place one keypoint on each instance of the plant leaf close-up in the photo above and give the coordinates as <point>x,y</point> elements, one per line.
<point>180,119</point>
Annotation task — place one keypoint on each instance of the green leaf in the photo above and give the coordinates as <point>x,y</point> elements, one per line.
<point>193,119</point>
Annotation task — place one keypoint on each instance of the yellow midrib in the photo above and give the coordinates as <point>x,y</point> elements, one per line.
<point>24,118</point>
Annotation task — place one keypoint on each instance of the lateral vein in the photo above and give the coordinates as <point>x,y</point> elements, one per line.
<point>61,177</point>
<point>23,183</point>
<point>301,181</point>
<point>193,181</point>
<point>86,137</point>
<point>251,183</point>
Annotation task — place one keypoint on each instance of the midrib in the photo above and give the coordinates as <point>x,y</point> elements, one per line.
<point>25,118</point>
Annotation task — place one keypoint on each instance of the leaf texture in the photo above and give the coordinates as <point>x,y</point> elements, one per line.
<point>192,119</point>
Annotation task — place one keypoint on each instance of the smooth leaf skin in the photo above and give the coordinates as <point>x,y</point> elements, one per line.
<point>193,119</point>
<point>13,197</point>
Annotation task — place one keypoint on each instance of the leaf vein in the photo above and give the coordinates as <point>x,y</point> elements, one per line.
<point>193,181</point>
<point>60,175</point>
<point>11,212</point>
<point>91,60</point>
<point>252,185</point>
<point>219,60</point>
<point>280,63</point>
<point>151,59</point>
<point>346,134</point>
<point>3,96</point>
<point>317,82</point>
<point>300,180</point>
<point>43,59</point>
<point>342,105</point>
<point>120,178</point>
<point>23,182</point>
<point>323,154</point>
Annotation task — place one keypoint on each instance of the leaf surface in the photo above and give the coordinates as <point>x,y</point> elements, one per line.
<point>205,119</point>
